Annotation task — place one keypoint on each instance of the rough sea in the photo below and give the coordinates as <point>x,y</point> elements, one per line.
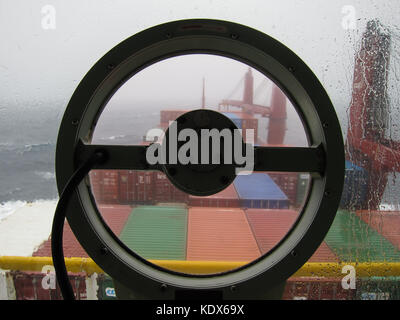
<point>28,136</point>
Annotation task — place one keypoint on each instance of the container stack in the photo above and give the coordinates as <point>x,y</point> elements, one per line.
<point>165,191</point>
<point>104,185</point>
<point>386,223</point>
<point>157,232</point>
<point>351,239</point>
<point>287,182</point>
<point>220,234</point>
<point>244,122</point>
<point>355,187</point>
<point>258,190</point>
<point>224,199</point>
<point>270,227</point>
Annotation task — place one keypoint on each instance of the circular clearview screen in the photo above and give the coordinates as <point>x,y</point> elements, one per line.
<point>175,229</point>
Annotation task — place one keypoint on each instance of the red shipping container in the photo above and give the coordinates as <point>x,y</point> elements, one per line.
<point>144,186</point>
<point>220,234</point>
<point>104,185</point>
<point>162,187</point>
<point>270,226</point>
<point>165,191</point>
<point>95,177</point>
<point>387,223</point>
<point>316,289</point>
<point>247,122</point>
<point>28,286</point>
<point>226,198</point>
<point>127,186</point>
<point>287,181</point>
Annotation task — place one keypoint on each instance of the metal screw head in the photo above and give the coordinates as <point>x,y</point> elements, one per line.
<point>327,194</point>
<point>75,122</point>
<point>163,287</point>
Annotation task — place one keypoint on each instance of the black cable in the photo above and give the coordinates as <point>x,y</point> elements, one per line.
<point>58,223</point>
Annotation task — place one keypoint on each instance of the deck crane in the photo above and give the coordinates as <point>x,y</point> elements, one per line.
<point>276,112</point>
<point>366,144</point>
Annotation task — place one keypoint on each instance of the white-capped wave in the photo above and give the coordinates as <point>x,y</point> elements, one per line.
<point>117,137</point>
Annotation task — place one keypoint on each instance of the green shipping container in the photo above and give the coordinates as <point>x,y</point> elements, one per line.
<point>378,288</point>
<point>354,241</point>
<point>106,289</point>
<point>157,232</point>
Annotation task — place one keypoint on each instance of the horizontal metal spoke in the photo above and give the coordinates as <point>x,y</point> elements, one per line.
<point>279,159</point>
<point>309,159</point>
<point>118,157</point>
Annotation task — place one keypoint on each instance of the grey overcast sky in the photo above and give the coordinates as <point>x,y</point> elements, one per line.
<point>39,65</point>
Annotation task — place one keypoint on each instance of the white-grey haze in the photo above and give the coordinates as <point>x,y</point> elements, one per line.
<point>39,65</point>
<point>40,68</point>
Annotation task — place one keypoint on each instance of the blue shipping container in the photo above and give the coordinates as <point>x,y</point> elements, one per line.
<point>258,190</point>
<point>234,118</point>
<point>355,186</point>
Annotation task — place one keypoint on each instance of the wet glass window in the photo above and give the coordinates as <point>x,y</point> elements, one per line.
<point>353,48</point>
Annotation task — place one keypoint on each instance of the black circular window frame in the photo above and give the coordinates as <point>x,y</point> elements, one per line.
<point>324,159</point>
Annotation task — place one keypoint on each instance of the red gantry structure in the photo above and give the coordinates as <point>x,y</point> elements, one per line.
<point>276,112</point>
<point>367,146</point>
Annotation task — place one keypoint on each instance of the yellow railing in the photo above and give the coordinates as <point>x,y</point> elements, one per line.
<point>87,265</point>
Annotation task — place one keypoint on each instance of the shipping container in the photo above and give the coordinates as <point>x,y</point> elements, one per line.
<point>234,118</point>
<point>144,187</point>
<point>165,191</point>
<point>287,182</point>
<point>157,232</point>
<point>317,289</point>
<point>122,186</point>
<point>127,186</point>
<point>220,234</point>
<point>105,185</point>
<point>30,286</point>
<point>270,227</point>
<point>110,186</point>
<point>258,190</point>
<point>96,177</point>
<point>226,198</point>
<point>355,187</point>
<point>244,122</point>
<point>106,289</point>
<point>248,122</point>
<point>115,216</point>
<point>386,223</point>
<point>378,288</point>
<point>353,240</point>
